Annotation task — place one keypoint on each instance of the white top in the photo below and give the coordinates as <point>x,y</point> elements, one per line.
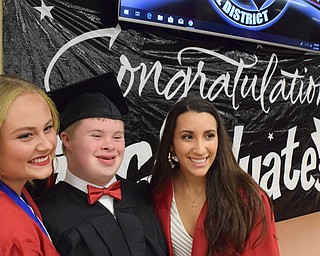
<point>181,240</point>
<point>105,200</point>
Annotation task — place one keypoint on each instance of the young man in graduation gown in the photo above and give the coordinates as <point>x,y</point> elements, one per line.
<point>94,211</point>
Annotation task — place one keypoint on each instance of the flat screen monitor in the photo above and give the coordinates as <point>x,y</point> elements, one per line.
<point>290,24</point>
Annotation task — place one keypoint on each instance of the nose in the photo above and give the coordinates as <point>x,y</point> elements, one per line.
<point>107,144</point>
<point>45,143</point>
<point>199,147</point>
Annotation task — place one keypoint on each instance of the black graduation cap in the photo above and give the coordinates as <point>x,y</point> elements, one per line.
<point>99,96</point>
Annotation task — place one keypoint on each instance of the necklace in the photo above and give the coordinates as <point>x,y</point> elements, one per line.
<point>193,206</point>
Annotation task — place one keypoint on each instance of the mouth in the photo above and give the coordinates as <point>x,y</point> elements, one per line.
<point>40,160</point>
<point>199,160</point>
<point>106,158</point>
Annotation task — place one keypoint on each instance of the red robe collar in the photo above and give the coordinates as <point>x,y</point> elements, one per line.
<point>162,203</point>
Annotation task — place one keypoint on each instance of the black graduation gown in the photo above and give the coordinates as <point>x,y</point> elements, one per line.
<point>77,228</point>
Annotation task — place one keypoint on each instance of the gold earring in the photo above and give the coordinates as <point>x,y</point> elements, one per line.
<point>172,159</point>
<point>169,159</point>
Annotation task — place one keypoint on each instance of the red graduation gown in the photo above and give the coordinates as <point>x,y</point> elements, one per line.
<point>268,247</point>
<point>19,234</point>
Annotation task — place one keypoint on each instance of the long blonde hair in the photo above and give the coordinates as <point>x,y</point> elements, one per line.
<point>11,87</point>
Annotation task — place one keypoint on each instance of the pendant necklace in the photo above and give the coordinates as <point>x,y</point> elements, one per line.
<point>193,206</point>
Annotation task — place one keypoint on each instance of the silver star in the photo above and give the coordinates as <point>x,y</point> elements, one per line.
<point>270,137</point>
<point>44,10</point>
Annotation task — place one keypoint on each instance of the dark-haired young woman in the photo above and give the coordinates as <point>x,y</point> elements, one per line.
<point>207,205</point>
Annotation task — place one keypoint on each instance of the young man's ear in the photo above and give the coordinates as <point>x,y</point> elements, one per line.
<point>65,138</point>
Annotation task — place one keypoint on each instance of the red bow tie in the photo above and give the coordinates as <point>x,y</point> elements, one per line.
<point>94,193</point>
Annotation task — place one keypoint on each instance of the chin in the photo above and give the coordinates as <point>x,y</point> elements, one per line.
<point>43,174</point>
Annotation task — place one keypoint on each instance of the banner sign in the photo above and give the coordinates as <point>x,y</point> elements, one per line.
<point>269,97</point>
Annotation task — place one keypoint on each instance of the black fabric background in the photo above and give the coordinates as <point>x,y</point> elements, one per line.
<point>29,44</point>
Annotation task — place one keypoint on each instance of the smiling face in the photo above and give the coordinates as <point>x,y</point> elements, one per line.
<point>195,143</point>
<point>95,149</point>
<point>27,141</point>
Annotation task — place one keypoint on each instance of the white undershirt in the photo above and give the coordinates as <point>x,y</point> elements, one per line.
<point>105,200</point>
<point>181,240</point>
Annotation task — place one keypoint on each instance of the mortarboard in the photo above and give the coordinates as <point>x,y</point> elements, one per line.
<point>99,96</point>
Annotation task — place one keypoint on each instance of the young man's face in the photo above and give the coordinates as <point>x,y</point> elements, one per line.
<point>95,150</point>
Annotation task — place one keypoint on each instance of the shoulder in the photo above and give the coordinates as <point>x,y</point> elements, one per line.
<point>135,192</point>
<point>58,193</point>
<point>16,226</point>
<point>268,206</point>
<point>140,186</point>
<point>265,198</point>
<point>261,200</point>
<point>254,191</point>
<point>164,193</point>
<point>11,214</point>
<point>64,200</point>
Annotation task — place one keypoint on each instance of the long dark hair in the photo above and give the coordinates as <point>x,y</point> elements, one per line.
<point>234,204</point>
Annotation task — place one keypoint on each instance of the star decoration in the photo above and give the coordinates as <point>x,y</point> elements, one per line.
<point>44,10</point>
<point>270,137</point>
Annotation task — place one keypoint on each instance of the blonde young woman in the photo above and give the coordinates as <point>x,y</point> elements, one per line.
<point>28,138</point>
<point>207,205</point>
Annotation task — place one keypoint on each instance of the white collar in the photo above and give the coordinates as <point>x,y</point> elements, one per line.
<point>82,184</point>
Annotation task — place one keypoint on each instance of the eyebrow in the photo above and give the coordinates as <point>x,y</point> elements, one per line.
<point>187,131</point>
<point>102,131</point>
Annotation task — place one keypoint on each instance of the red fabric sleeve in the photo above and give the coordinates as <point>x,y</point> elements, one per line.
<point>268,244</point>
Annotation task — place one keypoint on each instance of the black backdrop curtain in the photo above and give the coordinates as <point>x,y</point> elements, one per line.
<point>268,96</point>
